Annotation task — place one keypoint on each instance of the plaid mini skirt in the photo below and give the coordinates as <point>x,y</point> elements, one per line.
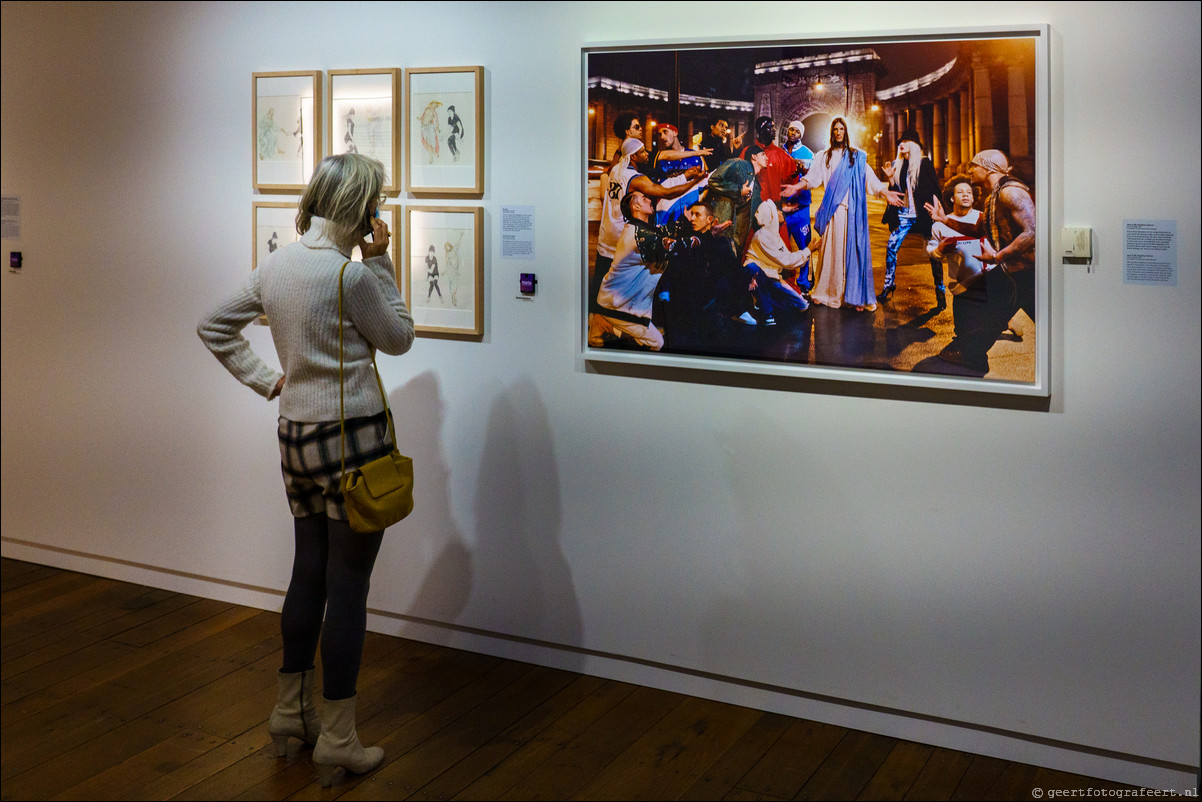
<point>310,457</point>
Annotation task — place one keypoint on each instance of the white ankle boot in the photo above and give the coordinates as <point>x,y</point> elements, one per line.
<point>339,742</point>
<point>295,715</point>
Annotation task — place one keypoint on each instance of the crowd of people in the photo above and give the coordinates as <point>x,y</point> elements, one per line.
<point>696,238</point>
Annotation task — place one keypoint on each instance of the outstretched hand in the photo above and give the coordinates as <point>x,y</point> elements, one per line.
<point>895,198</point>
<point>936,211</point>
<point>988,254</point>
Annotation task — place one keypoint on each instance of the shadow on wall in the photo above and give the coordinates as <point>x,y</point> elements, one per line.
<point>445,586</point>
<point>523,585</point>
<point>512,579</point>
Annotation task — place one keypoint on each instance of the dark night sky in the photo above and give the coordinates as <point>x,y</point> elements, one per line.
<point>727,72</point>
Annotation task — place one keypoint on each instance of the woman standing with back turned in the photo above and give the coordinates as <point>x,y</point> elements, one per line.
<point>297,288</point>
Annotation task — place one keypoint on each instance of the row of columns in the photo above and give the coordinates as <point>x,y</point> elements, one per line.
<point>962,122</point>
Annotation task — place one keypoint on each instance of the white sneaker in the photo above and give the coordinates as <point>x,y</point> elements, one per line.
<point>746,318</point>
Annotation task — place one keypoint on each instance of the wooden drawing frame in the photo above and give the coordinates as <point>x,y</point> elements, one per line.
<point>438,160</point>
<point>285,151</point>
<point>444,255</point>
<point>357,103</point>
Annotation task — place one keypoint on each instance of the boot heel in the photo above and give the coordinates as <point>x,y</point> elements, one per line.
<point>280,744</point>
<point>325,774</point>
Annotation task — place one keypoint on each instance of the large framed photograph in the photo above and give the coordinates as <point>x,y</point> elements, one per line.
<point>444,269</point>
<point>869,208</point>
<point>364,115</point>
<point>286,114</point>
<point>444,146</point>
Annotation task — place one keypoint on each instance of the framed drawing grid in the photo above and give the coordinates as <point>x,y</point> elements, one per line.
<point>364,117</point>
<point>444,269</point>
<point>285,129</point>
<point>958,92</point>
<point>444,146</point>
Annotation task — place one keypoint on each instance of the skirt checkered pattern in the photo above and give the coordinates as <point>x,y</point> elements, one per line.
<point>310,458</point>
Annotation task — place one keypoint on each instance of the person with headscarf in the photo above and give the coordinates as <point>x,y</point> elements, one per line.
<point>626,296</point>
<point>626,175</point>
<point>774,267</point>
<point>844,274</point>
<point>913,175</point>
<point>1008,253</point>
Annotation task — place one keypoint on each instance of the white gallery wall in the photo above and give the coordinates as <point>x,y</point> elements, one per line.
<point>987,575</point>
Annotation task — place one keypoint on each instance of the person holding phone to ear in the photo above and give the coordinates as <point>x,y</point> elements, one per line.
<point>297,287</point>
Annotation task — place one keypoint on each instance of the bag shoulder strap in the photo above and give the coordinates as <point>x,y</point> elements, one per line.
<point>342,384</point>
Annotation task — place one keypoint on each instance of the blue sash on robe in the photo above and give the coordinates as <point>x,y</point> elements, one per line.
<point>848,178</point>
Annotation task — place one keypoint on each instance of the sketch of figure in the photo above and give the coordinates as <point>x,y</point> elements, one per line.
<point>432,274</point>
<point>349,138</point>
<point>269,135</point>
<point>376,116</point>
<point>457,131</point>
<point>431,133</point>
<point>452,265</point>
<point>299,133</point>
<point>274,242</point>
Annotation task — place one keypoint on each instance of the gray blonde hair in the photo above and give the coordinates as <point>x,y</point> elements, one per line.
<point>342,189</point>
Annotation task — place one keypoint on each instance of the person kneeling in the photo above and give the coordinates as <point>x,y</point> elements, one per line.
<point>772,264</point>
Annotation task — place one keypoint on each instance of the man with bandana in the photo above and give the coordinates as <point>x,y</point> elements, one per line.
<point>624,176</point>
<point>1008,253</point>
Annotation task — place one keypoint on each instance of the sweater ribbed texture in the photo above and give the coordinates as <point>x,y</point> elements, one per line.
<point>297,288</point>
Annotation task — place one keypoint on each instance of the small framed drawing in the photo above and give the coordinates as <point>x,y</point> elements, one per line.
<point>444,269</point>
<point>274,227</point>
<point>363,117</point>
<point>287,137</point>
<point>444,146</point>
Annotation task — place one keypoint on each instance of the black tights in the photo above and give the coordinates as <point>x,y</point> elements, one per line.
<point>331,574</point>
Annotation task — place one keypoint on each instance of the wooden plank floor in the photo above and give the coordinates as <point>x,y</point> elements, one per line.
<point>117,691</point>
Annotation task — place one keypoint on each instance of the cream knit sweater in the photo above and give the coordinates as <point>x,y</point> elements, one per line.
<point>297,288</point>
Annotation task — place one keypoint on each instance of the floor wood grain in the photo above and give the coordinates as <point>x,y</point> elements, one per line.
<point>115,691</point>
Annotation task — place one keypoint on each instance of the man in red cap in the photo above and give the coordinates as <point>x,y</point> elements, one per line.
<point>671,157</point>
